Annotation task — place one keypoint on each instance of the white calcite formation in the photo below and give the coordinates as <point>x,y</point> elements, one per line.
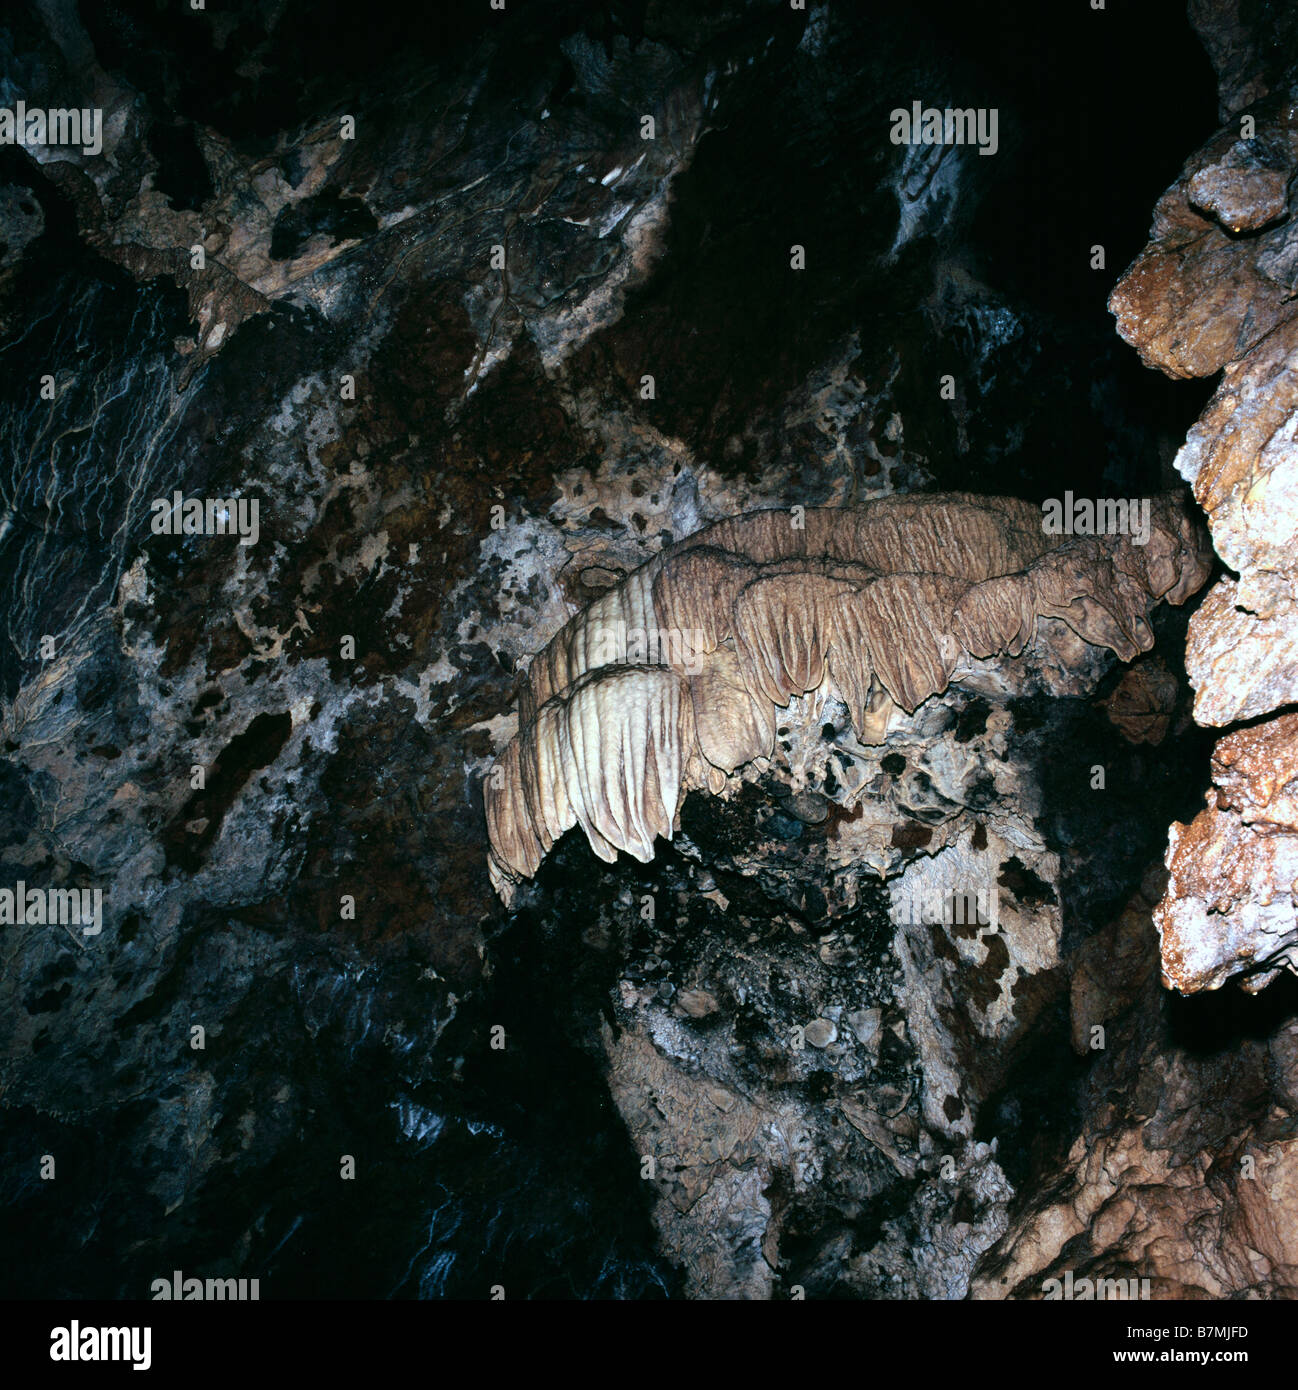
<point>670,681</point>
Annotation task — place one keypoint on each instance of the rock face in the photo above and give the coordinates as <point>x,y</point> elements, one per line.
<point>265,756</point>
<point>812,1059</point>
<point>811,1124</point>
<point>1215,278</point>
<point>1242,460</point>
<point>1181,1181</point>
<point>1214,290</point>
<point>1230,904</point>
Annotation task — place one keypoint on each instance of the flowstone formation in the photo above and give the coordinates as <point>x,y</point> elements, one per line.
<point>824,982</point>
<point>672,680</point>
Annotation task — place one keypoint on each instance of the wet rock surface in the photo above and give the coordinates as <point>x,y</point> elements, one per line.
<point>1217,274</point>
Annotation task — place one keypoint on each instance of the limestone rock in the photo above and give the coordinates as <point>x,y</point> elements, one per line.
<point>1200,296</point>
<point>696,1003</point>
<point>1241,457</point>
<point>1242,662</point>
<point>865,1025</point>
<point>1240,191</point>
<point>1181,1181</point>
<point>820,1032</point>
<point>1232,902</point>
<point>1141,704</point>
<point>1249,46</point>
<point>1215,289</point>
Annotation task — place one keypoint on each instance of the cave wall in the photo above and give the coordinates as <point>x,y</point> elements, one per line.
<point>1185,1166</point>
<point>451,455</point>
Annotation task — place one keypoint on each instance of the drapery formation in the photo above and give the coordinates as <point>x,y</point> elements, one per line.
<point>671,680</point>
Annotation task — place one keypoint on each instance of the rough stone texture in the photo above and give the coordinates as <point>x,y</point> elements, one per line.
<point>1243,652</point>
<point>1240,191</point>
<point>1201,295</point>
<point>1242,460</point>
<point>815,1126</point>
<point>1215,289</point>
<point>673,679</point>
<point>317,907</point>
<point>1250,46</point>
<point>1185,1171</point>
<point>1232,900</point>
<point>1141,705</point>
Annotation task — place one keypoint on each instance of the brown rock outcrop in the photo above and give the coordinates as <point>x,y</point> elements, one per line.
<point>1142,703</point>
<point>1213,290</point>
<point>1181,1181</point>
<point>1242,461</point>
<point>1200,295</point>
<point>1136,1207</point>
<point>1232,903</point>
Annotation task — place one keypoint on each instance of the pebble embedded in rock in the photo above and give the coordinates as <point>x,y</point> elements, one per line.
<point>696,1003</point>
<point>808,807</point>
<point>820,1032</point>
<point>866,1024</point>
<point>1242,199</point>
